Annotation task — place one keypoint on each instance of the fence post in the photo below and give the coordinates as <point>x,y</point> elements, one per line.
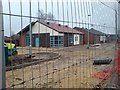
<point>2,57</point>
<point>118,34</point>
<point>118,21</point>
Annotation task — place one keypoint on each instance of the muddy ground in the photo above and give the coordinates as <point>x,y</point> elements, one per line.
<point>72,70</point>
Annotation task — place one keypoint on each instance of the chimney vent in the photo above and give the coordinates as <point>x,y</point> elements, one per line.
<point>66,26</point>
<point>59,24</point>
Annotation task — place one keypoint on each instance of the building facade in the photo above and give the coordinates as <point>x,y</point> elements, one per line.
<point>94,35</point>
<point>46,34</point>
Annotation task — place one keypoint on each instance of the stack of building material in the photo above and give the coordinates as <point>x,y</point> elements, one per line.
<point>100,62</point>
<point>105,74</point>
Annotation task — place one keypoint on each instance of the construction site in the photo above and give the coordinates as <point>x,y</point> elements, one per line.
<point>68,44</point>
<point>70,64</point>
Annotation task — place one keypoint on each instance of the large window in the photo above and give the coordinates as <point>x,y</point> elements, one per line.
<point>56,41</point>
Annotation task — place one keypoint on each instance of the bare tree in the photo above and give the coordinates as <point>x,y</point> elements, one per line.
<point>50,16</point>
<point>45,16</point>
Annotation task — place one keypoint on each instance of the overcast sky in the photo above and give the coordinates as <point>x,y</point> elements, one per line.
<point>77,12</point>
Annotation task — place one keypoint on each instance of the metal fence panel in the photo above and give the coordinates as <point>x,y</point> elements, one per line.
<point>60,44</point>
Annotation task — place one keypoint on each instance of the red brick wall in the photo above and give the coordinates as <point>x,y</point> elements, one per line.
<point>96,39</point>
<point>22,40</point>
<point>108,39</point>
<point>85,36</point>
<point>91,37</point>
<point>43,38</point>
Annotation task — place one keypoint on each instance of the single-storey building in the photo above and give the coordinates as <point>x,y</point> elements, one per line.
<point>94,35</point>
<point>111,38</point>
<point>46,34</point>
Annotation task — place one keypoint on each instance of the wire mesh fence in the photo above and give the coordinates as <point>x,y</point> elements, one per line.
<point>60,44</point>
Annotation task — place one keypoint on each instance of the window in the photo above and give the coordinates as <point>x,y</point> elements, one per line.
<point>81,38</point>
<point>56,41</point>
<point>76,38</point>
<point>71,39</point>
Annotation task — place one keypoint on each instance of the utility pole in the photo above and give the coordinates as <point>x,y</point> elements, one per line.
<point>2,56</point>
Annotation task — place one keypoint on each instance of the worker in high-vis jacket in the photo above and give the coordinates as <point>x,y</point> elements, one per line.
<point>11,49</point>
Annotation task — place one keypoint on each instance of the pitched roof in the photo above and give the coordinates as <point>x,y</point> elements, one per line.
<point>26,28</point>
<point>57,27</point>
<point>92,30</point>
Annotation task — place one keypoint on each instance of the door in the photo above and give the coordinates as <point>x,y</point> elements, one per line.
<point>27,40</point>
<point>37,41</point>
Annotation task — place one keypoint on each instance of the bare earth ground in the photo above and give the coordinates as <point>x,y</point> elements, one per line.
<point>72,70</point>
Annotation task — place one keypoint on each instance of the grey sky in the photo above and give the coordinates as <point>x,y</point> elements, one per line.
<point>100,14</point>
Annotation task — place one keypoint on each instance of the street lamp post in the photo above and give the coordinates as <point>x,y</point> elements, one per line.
<point>88,31</point>
<point>104,33</point>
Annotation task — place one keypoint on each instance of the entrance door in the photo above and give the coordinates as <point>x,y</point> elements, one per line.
<point>37,41</point>
<point>27,40</point>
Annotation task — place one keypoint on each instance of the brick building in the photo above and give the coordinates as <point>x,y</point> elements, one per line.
<point>94,35</point>
<point>46,34</point>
